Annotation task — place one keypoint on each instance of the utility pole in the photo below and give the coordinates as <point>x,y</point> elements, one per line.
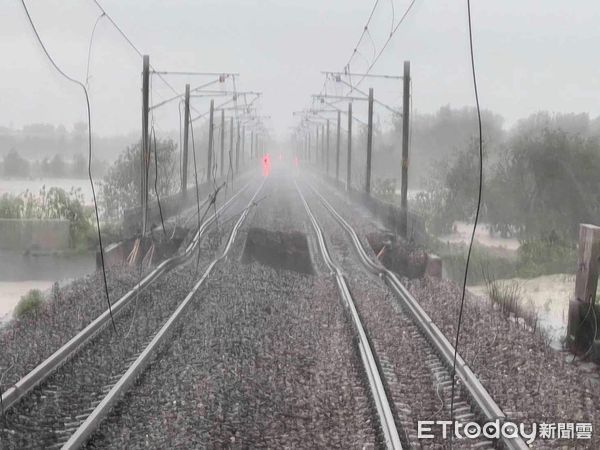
<point>405,118</point>
<point>369,142</point>
<point>308,146</point>
<point>186,125</point>
<point>244,143</point>
<point>317,146</point>
<point>145,149</point>
<point>337,150</point>
<point>327,153</point>
<point>237,149</point>
<point>231,142</point>
<point>349,163</point>
<point>251,145</point>
<point>210,140</point>
<point>322,147</point>
<point>222,141</point>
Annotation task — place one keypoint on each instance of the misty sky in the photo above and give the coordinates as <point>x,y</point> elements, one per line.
<point>531,55</point>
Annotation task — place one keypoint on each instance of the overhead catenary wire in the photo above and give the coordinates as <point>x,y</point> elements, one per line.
<point>87,71</point>
<point>480,189</point>
<point>362,35</point>
<point>137,50</point>
<point>89,116</point>
<point>386,43</point>
<point>365,31</point>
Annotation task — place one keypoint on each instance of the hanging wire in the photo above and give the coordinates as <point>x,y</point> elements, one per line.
<point>393,16</point>
<point>162,220</point>
<point>365,28</point>
<point>131,44</point>
<point>480,188</point>
<point>87,71</point>
<point>386,43</point>
<point>89,116</point>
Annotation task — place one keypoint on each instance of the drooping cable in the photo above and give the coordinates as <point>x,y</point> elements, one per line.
<point>162,220</point>
<point>362,35</point>
<point>393,16</point>
<point>195,173</point>
<point>87,71</point>
<point>464,286</point>
<point>386,43</point>
<point>89,114</point>
<point>131,44</point>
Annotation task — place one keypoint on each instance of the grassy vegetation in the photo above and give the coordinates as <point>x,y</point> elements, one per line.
<point>506,296</point>
<point>29,305</point>
<point>54,203</point>
<point>534,258</point>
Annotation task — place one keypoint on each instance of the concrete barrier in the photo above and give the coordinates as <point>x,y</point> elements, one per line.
<point>34,234</point>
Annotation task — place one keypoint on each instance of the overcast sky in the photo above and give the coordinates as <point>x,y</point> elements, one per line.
<point>531,55</point>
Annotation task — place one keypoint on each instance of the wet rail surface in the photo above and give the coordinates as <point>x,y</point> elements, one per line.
<point>388,359</point>
<point>58,396</point>
<point>266,357</point>
<point>415,355</point>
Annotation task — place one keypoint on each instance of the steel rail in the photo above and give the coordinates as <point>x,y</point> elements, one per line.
<point>386,417</point>
<point>43,370</point>
<point>87,428</point>
<point>433,334</point>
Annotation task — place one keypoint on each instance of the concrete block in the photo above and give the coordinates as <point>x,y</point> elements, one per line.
<point>433,267</point>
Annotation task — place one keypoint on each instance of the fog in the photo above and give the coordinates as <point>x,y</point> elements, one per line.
<point>530,55</point>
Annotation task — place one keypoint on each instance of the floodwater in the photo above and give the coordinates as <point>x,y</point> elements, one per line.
<point>549,296</point>
<point>19,273</point>
<point>18,186</point>
<point>462,235</point>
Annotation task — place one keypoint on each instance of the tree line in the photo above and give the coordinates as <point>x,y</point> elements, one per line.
<point>13,165</point>
<point>541,175</point>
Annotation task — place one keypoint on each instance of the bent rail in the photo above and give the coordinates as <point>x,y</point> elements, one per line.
<point>41,372</point>
<point>382,404</point>
<point>87,428</point>
<point>445,349</point>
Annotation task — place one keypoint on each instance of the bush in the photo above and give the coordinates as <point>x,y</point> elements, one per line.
<point>536,257</point>
<point>483,261</point>
<point>432,207</point>
<point>29,305</point>
<point>120,189</point>
<point>55,203</point>
<point>545,256</point>
<point>385,188</point>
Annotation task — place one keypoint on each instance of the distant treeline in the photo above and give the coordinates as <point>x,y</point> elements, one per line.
<point>41,141</point>
<point>541,176</point>
<point>13,165</point>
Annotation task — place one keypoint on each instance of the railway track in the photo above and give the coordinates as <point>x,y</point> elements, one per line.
<point>265,357</point>
<point>374,376</point>
<point>53,402</point>
<point>71,401</point>
<point>471,401</point>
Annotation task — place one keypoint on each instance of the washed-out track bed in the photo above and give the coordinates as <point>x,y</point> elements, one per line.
<point>27,342</point>
<point>418,383</point>
<point>530,381</point>
<point>53,410</point>
<point>265,358</point>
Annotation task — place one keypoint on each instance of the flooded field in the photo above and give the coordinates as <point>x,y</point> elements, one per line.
<point>19,273</point>
<point>548,296</point>
<point>462,235</point>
